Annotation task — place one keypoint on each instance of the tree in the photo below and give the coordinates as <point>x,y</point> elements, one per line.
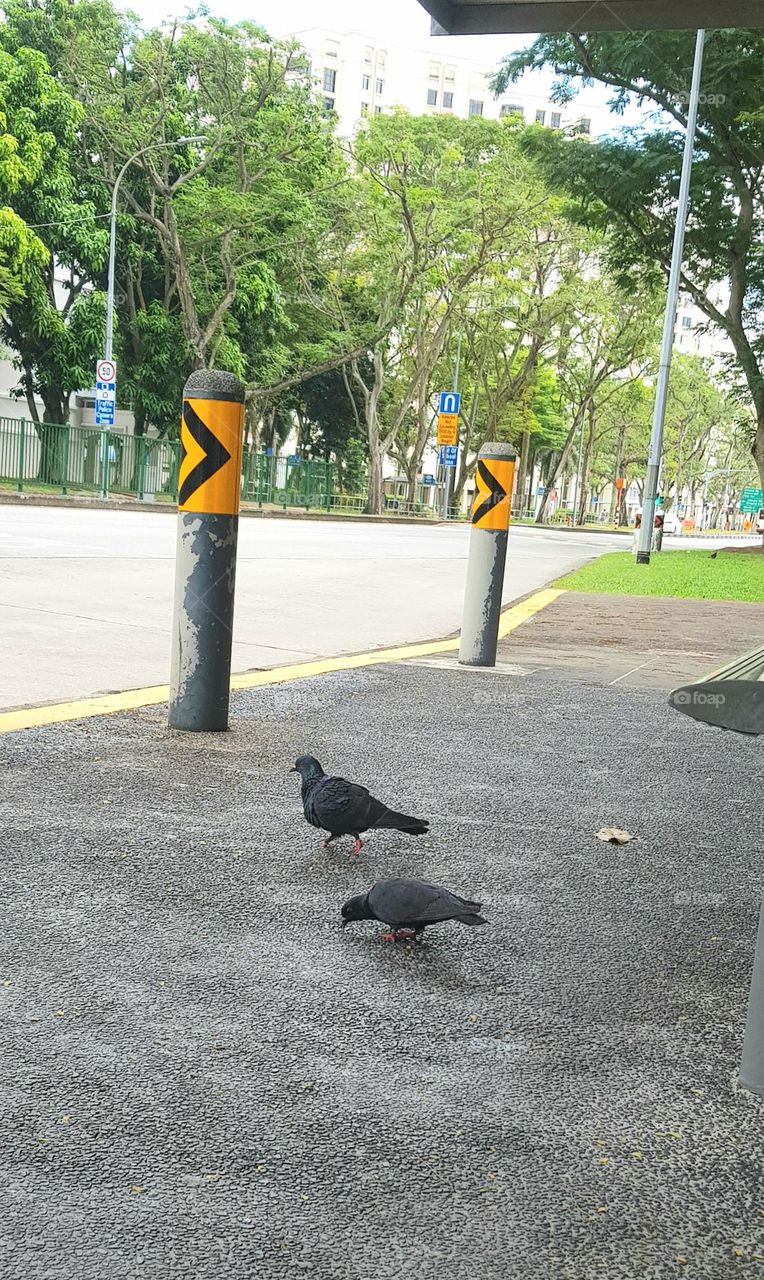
<point>52,242</point>
<point>224,213</point>
<point>629,185</point>
<point>437,204</point>
<point>607,338</point>
<point>508,330</point>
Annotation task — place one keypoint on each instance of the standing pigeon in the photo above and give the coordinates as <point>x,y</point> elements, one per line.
<point>345,808</point>
<point>408,906</point>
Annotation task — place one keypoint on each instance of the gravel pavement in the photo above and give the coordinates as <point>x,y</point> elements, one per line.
<point>204,1077</point>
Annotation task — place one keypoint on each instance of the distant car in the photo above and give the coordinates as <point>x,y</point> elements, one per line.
<point>672,523</point>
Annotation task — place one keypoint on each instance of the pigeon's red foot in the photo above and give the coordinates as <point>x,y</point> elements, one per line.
<point>407,935</point>
<point>388,937</point>
<point>357,847</point>
<point>326,844</point>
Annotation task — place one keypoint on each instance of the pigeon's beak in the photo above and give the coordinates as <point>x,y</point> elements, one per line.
<point>293,770</point>
<point>345,924</point>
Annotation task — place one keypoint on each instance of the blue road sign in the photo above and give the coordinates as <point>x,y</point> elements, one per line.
<point>428,479</point>
<point>293,459</point>
<point>540,491</point>
<point>104,413</point>
<point>448,454</point>
<point>450,402</point>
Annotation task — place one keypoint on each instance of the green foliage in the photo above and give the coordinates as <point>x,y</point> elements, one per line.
<point>629,184</point>
<point>52,242</point>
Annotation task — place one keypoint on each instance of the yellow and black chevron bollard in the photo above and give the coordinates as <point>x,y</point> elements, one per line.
<point>494,479</point>
<point>209,486</point>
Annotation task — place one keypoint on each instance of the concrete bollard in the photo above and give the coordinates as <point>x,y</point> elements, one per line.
<point>488,553</point>
<point>212,436</point>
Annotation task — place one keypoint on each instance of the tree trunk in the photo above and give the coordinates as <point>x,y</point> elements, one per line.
<point>53,450</point>
<point>758,441</point>
<point>522,467</point>
<point>375,501</point>
<point>615,506</point>
<point>585,465</point>
<point>561,463</point>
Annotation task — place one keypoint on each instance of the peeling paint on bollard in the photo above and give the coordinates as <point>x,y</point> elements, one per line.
<point>494,479</point>
<point>205,565</point>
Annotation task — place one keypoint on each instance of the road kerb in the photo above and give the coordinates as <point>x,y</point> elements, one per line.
<point>154,695</point>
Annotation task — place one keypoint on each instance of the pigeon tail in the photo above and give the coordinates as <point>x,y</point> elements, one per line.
<point>402,822</point>
<point>471,919</point>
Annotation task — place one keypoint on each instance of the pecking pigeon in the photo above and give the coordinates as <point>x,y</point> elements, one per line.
<point>408,906</point>
<point>345,808</point>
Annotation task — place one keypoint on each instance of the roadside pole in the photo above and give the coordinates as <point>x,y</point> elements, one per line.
<point>494,479</point>
<point>669,319</point>
<point>212,437</point>
<point>450,471</point>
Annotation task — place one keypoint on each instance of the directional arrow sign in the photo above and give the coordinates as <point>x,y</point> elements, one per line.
<point>493,492</point>
<point>210,462</point>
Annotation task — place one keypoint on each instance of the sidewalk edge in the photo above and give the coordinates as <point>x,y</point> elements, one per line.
<point>134,699</point>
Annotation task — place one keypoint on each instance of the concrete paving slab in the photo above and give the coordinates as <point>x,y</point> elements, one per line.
<point>640,641</point>
<point>204,1076</point>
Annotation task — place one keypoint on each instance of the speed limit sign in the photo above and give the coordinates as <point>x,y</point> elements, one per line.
<point>106,371</point>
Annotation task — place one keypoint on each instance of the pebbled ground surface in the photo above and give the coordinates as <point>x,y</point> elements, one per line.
<point>203,1076</point>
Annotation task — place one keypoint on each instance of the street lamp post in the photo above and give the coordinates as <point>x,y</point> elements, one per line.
<point>669,319</point>
<point>152,146</point>
<point>106,391</point>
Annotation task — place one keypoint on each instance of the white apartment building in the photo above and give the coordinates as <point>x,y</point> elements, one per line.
<point>695,335</point>
<point>356,76</point>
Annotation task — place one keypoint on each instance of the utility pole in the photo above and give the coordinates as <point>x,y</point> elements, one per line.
<point>669,319</point>
<point>448,472</point>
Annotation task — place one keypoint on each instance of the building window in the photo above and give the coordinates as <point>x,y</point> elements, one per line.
<point>330,80</point>
<point>540,117</point>
<point>448,101</point>
<point>328,104</point>
<point>686,322</point>
<point>378,111</point>
<point>366,82</point>
<point>435,71</point>
<point>476,107</point>
<point>585,124</point>
<point>364,108</point>
<point>380,85</point>
<point>332,49</point>
<point>512,109</point>
<point>449,75</point>
<point>432,97</point>
<point>556,119</point>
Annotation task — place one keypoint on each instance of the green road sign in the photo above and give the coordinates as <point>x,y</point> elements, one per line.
<point>751,500</point>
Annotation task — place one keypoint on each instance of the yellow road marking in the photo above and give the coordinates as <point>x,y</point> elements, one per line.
<point>133,699</point>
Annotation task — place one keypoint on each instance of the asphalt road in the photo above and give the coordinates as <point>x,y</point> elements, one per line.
<point>86,596</point>
<point>205,1077</point>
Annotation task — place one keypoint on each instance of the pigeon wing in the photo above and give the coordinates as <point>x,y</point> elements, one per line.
<point>342,807</point>
<point>405,901</point>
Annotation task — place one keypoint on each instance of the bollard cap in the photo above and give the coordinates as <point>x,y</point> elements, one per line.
<point>497,449</point>
<point>214,384</point>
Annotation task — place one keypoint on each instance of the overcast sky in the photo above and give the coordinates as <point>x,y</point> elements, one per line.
<point>393,20</point>
<point>396,21</point>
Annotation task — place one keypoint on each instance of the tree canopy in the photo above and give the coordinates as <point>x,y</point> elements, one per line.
<point>628,185</point>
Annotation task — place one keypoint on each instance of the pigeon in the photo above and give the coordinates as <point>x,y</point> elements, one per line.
<point>345,808</point>
<point>408,906</point>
